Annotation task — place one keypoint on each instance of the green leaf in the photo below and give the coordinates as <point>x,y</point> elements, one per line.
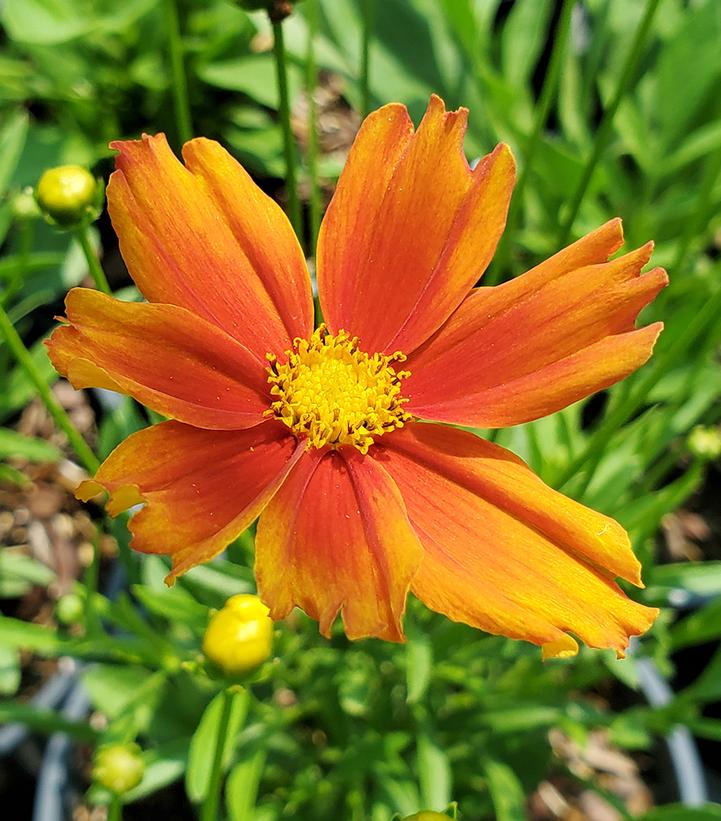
<point>434,770</point>
<point>19,390</point>
<point>12,141</point>
<point>112,688</point>
<point>45,721</point>
<point>523,38</point>
<point>506,791</point>
<point>9,670</point>
<point>679,812</point>
<point>163,765</point>
<point>419,665</point>
<point>19,572</point>
<point>173,604</point>
<point>13,443</point>
<point>253,75</point>
<point>205,739</point>
<point>241,790</point>
<point>699,578</point>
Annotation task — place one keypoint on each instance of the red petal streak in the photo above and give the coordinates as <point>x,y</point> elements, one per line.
<point>506,553</point>
<point>410,228</point>
<point>530,347</point>
<point>201,488</point>
<point>163,356</point>
<point>231,259</point>
<point>336,538</point>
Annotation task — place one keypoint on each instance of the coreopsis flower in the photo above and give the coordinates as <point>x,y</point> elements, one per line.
<point>342,437</point>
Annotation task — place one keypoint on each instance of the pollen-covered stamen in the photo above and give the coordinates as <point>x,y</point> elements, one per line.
<point>335,394</point>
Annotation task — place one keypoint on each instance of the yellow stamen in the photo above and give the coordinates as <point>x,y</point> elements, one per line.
<point>334,394</point>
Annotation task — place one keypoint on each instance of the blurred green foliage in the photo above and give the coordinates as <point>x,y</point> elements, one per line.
<point>362,731</point>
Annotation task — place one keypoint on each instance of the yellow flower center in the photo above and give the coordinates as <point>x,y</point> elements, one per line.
<point>334,394</point>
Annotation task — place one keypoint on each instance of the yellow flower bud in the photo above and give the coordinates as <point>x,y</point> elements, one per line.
<point>239,637</point>
<point>705,443</point>
<point>426,815</point>
<point>118,767</point>
<point>69,196</point>
<point>69,609</point>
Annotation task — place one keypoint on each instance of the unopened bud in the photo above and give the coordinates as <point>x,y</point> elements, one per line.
<point>23,205</point>
<point>69,609</point>
<point>426,815</point>
<point>239,637</point>
<point>118,767</point>
<point>69,196</point>
<point>705,443</point>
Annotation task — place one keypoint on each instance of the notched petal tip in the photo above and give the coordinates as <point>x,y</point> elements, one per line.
<point>561,648</point>
<point>118,500</point>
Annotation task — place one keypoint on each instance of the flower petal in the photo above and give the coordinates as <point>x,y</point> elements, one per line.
<point>163,356</point>
<point>201,488</point>
<point>410,228</point>
<point>204,237</point>
<point>534,345</point>
<point>336,538</point>
<point>506,553</point>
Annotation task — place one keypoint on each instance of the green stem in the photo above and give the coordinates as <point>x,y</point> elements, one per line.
<point>212,799</point>
<point>115,809</point>
<point>62,420</point>
<point>183,123</point>
<point>82,235</point>
<point>366,31</point>
<point>543,109</point>
<point>311,84</point>
<point>291,176</point>
<point>604,130</point>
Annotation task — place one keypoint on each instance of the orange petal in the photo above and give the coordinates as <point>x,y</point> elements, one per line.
<point>536,344</point>
<point>410,228</point>
<point>163,356</point>
<point>206,238</point>
<point>201,488</point>
<point>506,553</point>
<point>336,538</point>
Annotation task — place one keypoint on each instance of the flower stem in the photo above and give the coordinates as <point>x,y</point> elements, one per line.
<point>604,130</point>
<point>291,176</point>
<point>183,123</point>
<point>96,271</point>
<point>311,84</point>
<point>62,420</point>
<point>115,809</point>
<point>212,799</point>
<point>366,30</point>
<point>543,109</point>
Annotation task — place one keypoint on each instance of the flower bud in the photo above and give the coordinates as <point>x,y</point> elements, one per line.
<point>705,443</point>
<point>69,609</point>
<point>69,196</point>
<point>118,767</point>
<point>239,637</point>
<point>23,205</point>
<point>426,815</point>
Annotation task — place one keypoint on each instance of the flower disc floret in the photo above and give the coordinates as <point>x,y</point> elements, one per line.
<point>332,393</point>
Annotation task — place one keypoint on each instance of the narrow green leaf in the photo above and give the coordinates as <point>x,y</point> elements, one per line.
<point>506,792</point>
<point>45,721</point>
<point>434,771</point>
<point>203,743</point>
<point>241,790</point>
<point>9,670</point>
<point>13,443</point>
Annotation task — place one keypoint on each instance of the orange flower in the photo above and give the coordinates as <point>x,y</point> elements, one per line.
<point>319,431</point>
